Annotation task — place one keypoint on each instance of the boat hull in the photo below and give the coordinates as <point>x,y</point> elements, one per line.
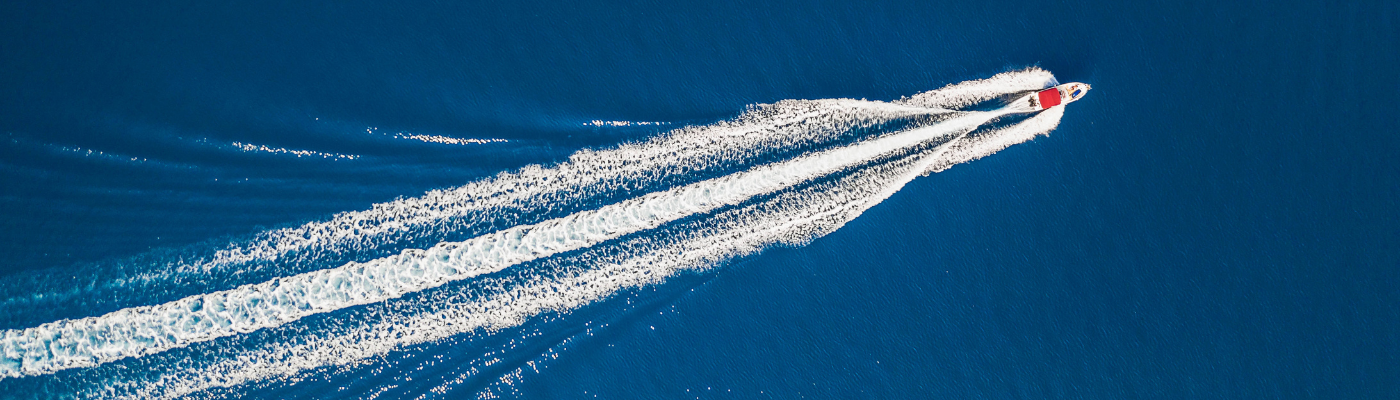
<point>1055,96</point>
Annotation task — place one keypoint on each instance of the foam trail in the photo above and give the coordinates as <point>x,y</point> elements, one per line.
<point>787,126</point>
<point>534,190</point>
<point>967,93</point>
<point>152,329</point>
<point>988,143</point>
<point>299,153</point>
<point>445,140</point>
<point>792,217</point>
<point>792,214</point>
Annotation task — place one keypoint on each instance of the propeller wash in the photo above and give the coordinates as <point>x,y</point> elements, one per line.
<point>601,222</point>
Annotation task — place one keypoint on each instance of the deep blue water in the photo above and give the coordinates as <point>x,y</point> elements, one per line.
<point>1217,219</point>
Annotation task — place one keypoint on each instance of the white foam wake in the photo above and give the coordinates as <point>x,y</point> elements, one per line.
<point>299,153</point>
<point>763,130</point>
<point>696,225</point>
<point>967,93</point>
<point>988,143</point>
<point>151,329</point>
<point>533,190</point>
<point>445,140</point>
<point>791,217</point>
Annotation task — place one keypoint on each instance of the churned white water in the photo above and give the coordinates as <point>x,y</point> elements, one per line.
<point>786,201</point>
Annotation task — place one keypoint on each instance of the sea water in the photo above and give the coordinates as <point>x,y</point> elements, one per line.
<point>721,200</point>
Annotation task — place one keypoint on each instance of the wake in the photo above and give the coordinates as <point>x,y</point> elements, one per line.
<point>589,254</point>
<point>526,196</point>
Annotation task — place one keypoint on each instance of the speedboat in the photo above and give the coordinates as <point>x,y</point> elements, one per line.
<point>1057,96</point>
